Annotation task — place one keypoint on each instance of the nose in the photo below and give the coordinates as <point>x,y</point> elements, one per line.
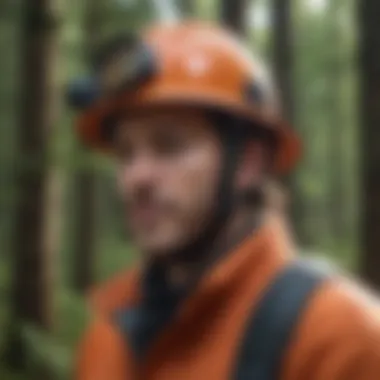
<point>141,172</point>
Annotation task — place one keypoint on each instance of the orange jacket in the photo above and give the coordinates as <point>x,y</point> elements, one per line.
<point>337,338</point>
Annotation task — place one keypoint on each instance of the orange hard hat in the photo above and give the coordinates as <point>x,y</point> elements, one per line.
<point>197,65</point>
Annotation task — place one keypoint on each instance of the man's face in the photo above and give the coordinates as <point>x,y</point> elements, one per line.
<point>169,168</point>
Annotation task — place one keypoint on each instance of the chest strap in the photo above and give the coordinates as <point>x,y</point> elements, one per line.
<point>271,324</point>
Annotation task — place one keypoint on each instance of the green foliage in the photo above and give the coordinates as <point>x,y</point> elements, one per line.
<point>57,349</point>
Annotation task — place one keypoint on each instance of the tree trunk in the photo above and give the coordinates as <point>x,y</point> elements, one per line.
<point>85,224</point>
<point>337,127</point>
<point>282,53</point>
<point>233,15</point>
<point>9,19</point>
<point>282,46</point>
<point>35,241</point>
<point>187,7</point>
<point>85,181</point>
<point>369,43</point>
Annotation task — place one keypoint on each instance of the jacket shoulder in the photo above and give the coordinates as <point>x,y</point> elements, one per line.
<point>101,352</point>
<point>338,336</point>
<point>116,292</point>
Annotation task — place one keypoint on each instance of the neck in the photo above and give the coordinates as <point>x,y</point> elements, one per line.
<point>183,273</point>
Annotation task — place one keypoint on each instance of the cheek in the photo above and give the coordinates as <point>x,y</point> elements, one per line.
<point>187,186</point>
<point>190,183</point>
<point>194,180</point>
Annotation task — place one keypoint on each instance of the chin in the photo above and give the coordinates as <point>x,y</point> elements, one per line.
<point>160,248</point>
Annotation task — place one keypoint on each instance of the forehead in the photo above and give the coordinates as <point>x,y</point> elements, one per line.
<point>166,121</point>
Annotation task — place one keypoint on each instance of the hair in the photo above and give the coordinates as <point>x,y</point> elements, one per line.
<point>109,47</point>
<point>237,130</point>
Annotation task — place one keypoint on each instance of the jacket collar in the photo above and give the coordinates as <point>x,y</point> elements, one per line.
<point>260,253</point>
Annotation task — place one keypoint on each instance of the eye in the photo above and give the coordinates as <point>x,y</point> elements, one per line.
<point>124,151</point>
<point>169,144</point>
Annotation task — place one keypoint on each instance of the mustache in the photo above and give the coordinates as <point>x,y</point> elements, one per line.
<point>147,197</point>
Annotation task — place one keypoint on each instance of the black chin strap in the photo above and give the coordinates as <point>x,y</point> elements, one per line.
<point>224,204</point>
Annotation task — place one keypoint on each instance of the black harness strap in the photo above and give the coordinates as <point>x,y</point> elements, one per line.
<point>271,324</point>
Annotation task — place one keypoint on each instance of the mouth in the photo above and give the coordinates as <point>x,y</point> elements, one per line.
<point>145,216</point>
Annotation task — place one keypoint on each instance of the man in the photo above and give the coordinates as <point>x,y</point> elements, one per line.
<point>195,130</point>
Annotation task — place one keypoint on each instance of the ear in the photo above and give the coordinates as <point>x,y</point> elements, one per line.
<point>251,168</point>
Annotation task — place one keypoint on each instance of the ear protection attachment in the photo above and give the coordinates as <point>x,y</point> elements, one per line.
<point>122,64</point>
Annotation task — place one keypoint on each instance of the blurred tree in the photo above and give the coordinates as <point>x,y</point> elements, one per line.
<point>282,47</point>
<point>336,123</point>
<point>369,55</point>
<point>233,15</point>
<point>85,181</point>
<point>37,212</point>
<point>9,15</point>
<point>311,177</point>
<point>283,66</point>
<point>187,7</point>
